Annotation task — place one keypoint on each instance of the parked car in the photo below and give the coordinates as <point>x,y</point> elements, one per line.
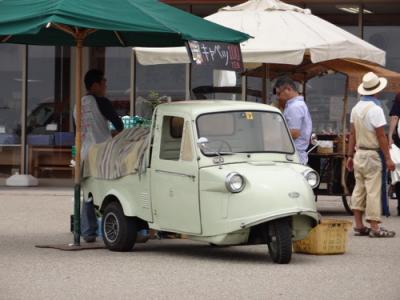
<point>219,172</point>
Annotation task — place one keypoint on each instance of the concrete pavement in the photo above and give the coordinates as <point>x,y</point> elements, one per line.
<point>178,269</point>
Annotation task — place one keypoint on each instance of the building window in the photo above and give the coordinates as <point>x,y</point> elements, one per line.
<point>49,132</point>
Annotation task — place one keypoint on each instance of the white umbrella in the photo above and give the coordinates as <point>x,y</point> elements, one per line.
<point>282,34</point>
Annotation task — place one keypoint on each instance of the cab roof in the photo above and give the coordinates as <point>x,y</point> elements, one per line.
<point>198,107</point>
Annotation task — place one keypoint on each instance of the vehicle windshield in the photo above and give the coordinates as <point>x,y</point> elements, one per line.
<point>244,132</point>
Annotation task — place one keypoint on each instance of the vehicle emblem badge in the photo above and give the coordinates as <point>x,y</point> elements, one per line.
<point>218,160</point>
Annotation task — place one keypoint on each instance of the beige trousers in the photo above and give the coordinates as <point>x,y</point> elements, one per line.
<point>367,192</point>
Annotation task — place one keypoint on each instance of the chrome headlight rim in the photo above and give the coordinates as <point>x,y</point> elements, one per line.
<point>228,182</point>
<point>307,173</point>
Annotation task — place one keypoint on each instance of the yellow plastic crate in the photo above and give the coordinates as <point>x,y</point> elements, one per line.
<point>329,237</point>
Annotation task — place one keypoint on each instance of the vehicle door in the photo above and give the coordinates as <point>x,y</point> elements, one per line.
<point>174,175</point>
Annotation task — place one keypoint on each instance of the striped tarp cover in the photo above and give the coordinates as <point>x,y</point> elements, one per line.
<point>119,156</point>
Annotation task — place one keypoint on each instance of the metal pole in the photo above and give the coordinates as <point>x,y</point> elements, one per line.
<point>77,190</point>
<point>244,87</point>
<point>344,115</point>
<point>135,89</point>
<point>132,95</point>
<point>268,83</point>
<point>188,80</point>
<point>264,83</point>
<point>361,20</point>
<point>24,102</point>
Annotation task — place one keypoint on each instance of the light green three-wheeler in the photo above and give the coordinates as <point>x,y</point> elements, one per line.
<point>219,172</point>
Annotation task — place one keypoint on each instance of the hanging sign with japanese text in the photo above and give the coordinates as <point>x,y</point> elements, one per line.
<point>222,56</point>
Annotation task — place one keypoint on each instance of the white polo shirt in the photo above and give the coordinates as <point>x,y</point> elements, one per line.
<point>375,117</point>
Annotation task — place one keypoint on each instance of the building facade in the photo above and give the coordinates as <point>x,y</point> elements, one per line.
<point>36,84</point>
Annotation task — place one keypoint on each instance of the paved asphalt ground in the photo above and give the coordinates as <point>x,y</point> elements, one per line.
<point>178,269</point>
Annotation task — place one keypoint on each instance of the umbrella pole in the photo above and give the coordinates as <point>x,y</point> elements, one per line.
<point>77,186</point>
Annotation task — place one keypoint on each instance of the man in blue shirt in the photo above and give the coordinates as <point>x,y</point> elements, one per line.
<point>296,114</point>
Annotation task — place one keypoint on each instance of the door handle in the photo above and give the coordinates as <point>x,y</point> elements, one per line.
<point>176,174</point>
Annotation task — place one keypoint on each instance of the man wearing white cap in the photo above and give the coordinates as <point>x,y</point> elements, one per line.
<point>368,139</point>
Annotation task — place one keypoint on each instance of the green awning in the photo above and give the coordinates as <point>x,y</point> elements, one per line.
<point>147,23</point>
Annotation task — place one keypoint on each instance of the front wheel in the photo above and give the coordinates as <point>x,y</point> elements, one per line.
<point>119,231</point>
<point>280,241</point>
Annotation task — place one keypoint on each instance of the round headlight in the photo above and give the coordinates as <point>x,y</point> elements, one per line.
<point>234,182</point>
<point>312,178</point>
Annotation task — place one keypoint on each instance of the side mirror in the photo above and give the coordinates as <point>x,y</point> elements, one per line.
<point>314,142</point>
<point>202,142</point>
<point>314,139</point>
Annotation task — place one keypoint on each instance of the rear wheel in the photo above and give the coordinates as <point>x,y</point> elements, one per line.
<point>280,241</point>
<point>350,183</point>
<point>119,231</point>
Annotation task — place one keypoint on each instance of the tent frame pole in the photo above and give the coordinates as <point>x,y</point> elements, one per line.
<point>264,83</point>
<point>132,95</point>
<point>188,81</point>
<point>244,87</point>
<point>24,106</point>
<point>344,131</point>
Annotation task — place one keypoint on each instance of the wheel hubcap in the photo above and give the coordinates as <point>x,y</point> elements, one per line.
<point>111,227</point>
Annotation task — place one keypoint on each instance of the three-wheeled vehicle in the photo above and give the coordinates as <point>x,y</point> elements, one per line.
<point>220,172</point>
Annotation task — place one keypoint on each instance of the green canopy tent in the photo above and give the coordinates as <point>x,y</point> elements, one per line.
<point>102,23</point>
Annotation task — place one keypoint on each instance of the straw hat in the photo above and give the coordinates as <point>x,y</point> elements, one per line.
<point>372,84</point>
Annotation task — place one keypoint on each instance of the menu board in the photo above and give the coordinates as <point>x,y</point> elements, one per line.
<point>222,56</point>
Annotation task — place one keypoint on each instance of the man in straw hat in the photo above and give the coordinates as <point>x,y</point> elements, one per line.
<point>369,139</point>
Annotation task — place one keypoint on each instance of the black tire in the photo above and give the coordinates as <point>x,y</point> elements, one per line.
<point>119,231</point>
<point>218,246</point>
<point>346,204</point>
<point>350,183</point>
<point>280,241</point>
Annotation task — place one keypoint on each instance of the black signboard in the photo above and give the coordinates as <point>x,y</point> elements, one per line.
<point>222,56</point>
